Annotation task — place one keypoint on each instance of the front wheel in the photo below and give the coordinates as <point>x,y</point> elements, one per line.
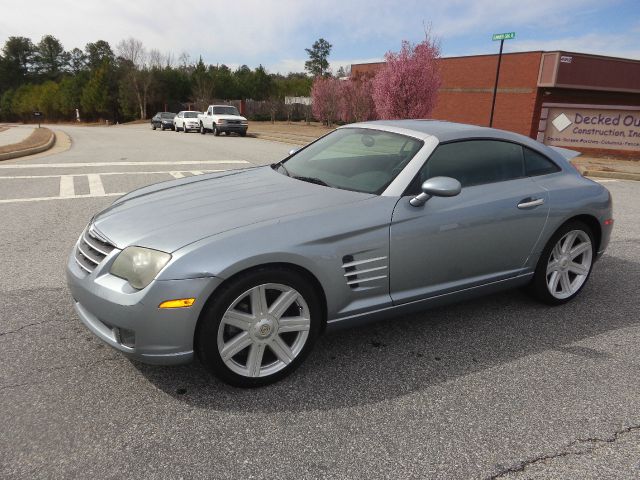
<point>216,132</point>
<point>565,264</point>
<point>259,328</point>
<point>202,131</point>
<point>153,127</point>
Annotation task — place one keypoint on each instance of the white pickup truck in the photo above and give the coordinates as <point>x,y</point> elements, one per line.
<point>223,118</point>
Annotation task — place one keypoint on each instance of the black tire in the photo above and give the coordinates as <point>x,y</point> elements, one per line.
<point>538,287</point>
<point>205,342</point>
<point>153,127</point>
<point>162,128</point>
<point>243,134</point>
<point>202,130</point>
<point>216,132</point>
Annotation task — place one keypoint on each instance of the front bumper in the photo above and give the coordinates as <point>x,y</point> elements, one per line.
<point>130,321</point>
<point>238,128</point>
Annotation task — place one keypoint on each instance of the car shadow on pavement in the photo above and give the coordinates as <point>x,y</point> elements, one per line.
<point>408,354</point>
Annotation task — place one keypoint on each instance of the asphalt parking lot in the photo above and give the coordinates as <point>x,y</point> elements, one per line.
<point>500,387</point>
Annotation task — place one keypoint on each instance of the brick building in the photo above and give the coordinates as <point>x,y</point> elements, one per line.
<point>587,102</point>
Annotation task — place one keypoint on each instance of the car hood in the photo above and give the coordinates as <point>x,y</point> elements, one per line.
<point>169,215</point>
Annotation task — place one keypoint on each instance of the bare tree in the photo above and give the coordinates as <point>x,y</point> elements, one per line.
<point>155,59</point>
<point>139,76</point>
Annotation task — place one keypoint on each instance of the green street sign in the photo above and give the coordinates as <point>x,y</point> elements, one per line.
<point>504,36</point>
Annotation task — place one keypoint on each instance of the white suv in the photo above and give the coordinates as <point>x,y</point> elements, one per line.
<point>223,118</point>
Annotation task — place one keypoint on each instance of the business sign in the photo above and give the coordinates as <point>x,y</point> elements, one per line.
<point>601,128</point>
<point>504,36</point>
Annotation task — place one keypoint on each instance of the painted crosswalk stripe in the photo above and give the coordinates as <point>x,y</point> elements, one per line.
<point>95,185</point>
<point>176,174</point>
<point>66,186</point>
<point>196,172</point>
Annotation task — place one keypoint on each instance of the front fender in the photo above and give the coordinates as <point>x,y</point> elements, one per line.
<point>317,243</point>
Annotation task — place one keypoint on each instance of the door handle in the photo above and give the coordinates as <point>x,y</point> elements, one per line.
<point>530,202</point>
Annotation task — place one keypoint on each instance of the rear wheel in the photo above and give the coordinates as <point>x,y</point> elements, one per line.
<point>565,264</point>
<point>259,328</point>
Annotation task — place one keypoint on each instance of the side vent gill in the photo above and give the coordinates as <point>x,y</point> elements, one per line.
<point>363,270</point>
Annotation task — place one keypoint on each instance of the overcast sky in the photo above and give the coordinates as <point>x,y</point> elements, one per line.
<point>274,33</point>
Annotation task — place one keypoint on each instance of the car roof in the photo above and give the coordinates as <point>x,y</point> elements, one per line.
<point>450,131</point>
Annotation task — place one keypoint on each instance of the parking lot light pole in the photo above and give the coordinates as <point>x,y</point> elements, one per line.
<point>502,37</point>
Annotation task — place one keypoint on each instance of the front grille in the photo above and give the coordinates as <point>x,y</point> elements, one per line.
<point>91,249</point>
<point>233,122</point>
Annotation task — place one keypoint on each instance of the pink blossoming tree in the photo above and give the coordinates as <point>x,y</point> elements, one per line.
<point>356,100</point>
<point>407,85</point>
<point>326,99</point>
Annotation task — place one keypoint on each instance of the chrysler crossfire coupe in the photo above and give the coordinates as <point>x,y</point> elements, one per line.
<point>244,269</point>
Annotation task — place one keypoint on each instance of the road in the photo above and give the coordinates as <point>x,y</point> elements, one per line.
<point>500,387</point>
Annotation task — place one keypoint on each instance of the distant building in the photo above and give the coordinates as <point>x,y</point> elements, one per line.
<point>587,102</point>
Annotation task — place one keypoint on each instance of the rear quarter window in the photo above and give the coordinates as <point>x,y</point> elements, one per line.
<point>537,164</point>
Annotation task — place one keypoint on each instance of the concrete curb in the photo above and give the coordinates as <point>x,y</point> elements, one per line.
<point>616,175</point>
<point>31,150</point>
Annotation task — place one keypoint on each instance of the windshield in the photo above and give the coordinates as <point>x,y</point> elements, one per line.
<point>167,115</point>
<point>190,114</point>
<point>357,159</point>
<point>225,111</point>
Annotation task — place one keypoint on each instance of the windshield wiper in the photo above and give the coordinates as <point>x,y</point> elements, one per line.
<point>315,180</point>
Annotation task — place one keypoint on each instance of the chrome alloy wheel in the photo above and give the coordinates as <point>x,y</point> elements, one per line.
<point>569,264</point>
<point>263,330</point>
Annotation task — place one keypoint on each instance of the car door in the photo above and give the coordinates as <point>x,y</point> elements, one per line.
<point>484,234</point>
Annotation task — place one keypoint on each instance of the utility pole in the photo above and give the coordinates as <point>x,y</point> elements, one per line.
<point>502,37</point>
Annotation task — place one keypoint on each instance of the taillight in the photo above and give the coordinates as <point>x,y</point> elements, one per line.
<point>608,221</point>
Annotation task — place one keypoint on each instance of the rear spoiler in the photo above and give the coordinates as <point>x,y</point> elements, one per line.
<point>566,153</point>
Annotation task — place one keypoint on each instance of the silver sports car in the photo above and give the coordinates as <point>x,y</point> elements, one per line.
<point>247,267</point>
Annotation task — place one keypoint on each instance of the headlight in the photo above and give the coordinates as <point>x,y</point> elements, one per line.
<point>139,266</point>
<point>244,122</point>
<point>222,122</point>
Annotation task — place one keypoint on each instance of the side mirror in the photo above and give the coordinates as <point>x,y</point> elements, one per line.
<point>293,150</point>
<point>437,187</point>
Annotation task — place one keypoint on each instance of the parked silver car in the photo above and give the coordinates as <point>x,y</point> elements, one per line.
<point>247,267</point>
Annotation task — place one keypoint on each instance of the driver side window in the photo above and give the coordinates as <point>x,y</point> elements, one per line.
<point>473,162</point>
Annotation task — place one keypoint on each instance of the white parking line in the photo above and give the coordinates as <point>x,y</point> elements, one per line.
<point>196,172</point>
<point>120,164</point>
<point>96,189</point>
<point>39,199</point>
<point>66,186</point>
<point>179,174</point>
